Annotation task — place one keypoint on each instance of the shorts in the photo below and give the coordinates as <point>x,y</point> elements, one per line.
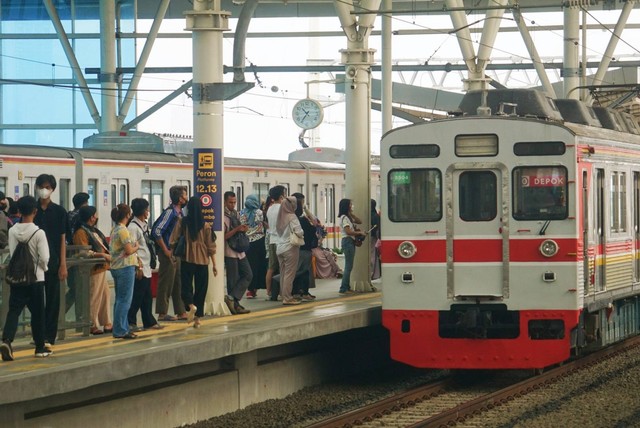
<point>274,265</point>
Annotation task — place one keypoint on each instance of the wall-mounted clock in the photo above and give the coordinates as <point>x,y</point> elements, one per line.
<point>308,113</point>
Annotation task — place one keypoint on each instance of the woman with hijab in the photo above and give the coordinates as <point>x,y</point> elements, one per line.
<point>288,253</point>
<point>86,233</point>
<point>253,217</point>
<point>194,268</point>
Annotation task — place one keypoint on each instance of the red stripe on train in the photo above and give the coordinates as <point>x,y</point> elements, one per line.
<point>480,251</point>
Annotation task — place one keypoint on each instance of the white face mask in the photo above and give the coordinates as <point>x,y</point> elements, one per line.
<point>44,193</point>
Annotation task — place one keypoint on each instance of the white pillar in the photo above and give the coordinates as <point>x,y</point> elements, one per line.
<point>387,68</point>
<point>208,21</point>
<point>571,72</point>
<point>108,66</point>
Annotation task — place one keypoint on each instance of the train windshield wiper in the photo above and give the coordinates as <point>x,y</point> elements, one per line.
<point>543,230</point>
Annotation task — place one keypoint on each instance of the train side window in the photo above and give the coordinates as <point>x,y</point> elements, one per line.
<point>540,148</point>
<point>261,190</point>
<point>3,185</point>
<point>415,195</point>
<point>187,184</point>
<point>540,193</point>
<point>618,202</point>
<point>26,189</point>
<point>410,151</point>
<point>477,193</point>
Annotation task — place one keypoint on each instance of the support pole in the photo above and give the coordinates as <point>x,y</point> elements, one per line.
<point>358,59</point>
<point>109,95</point>
<point>207,22</point>
<point>571,71</point>
<point>387,68</point>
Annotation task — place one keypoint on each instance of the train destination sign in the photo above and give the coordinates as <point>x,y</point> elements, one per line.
<point>207,184</point>
<point>543,181</point>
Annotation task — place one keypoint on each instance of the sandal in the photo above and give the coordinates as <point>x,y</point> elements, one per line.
<point>167,317</point>
<point>127,336</point>
<point>95,331</point>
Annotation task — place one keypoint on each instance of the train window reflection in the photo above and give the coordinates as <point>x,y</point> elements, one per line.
<point>414,151</point>
<point>415,195</point>
<point>477,192</point>
<point>539,193</point>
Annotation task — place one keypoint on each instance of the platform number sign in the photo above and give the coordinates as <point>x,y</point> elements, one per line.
<point>207,179</point>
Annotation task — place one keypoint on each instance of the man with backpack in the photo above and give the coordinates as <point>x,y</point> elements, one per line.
<point>25,274</point>
<point>169,269</point>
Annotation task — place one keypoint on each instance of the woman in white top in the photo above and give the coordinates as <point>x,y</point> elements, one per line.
<point>349,235</point>
<point>287,252</point>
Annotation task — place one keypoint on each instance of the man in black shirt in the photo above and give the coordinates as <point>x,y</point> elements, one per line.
<point>52,218</point>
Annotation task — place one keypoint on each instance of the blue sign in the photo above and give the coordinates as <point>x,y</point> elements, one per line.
<point>207,184</point>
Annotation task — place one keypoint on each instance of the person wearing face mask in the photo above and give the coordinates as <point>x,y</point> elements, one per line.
<point>52,218</point>
<point>142,298</point>
<point>169,285</point>
<point>99,294</point>
<point>4,221</point>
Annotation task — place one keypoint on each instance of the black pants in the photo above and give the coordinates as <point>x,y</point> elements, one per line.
<point>194,274</point>
<point>142,301</point>
<point>51,304</point>
<point>257,256</point>
<point>31,296</point>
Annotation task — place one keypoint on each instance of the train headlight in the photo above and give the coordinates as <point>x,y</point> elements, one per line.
<point>549,248</point>
<point>406,250</point>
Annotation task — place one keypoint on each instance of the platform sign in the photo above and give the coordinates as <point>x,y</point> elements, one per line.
<point>207,184</point>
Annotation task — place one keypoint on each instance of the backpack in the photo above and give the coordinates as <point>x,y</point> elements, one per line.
<point>151,246</point>
<point>22,269</point>
<point>240,241</point>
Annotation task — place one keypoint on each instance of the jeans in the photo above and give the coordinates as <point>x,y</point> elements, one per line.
<point>198,274</point>
<point>349,251</point>
<point>239,276</point>
<point>51,304</point>
<point>123,279</point>
<point>31,296</point>
<point>142,301</point>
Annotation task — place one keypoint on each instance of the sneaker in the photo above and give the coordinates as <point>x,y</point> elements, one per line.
<point>251,294</point>
<point>48,347</point>
<point>134,328</point>
<point>6,351</point>
<point>308,297</point>
<point>241,310</point>
<point>291,302</point>
<point>43,354</point>
<point>192,313</point>
<point>346,293</point>
<point>229,302</point>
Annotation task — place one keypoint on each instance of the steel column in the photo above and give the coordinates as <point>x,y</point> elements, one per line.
<point>571,71</point>
<point>109,94</point>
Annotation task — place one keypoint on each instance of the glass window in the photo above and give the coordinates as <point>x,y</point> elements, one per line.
<point>3,185</point>
<point>237,187</point>
<point>152,191</point>
<point>261,190</point>
<point>415,151</point>
<point>478,195</point>
<point>92,190</point>
<point>415,195</point>
<point>539,148</point>
<point>618,202</point>
<point>65,189</point>
<point>539,193</point>
<point>476,145</point>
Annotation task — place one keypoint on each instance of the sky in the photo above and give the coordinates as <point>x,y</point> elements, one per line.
<point>258,123</point>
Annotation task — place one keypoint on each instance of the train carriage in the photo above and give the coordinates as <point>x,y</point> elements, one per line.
<point>509,240</point>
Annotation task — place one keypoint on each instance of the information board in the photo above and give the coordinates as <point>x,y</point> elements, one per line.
<point>207,184</point>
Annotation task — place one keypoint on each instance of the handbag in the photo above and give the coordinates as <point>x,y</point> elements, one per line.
<point>294,239</point>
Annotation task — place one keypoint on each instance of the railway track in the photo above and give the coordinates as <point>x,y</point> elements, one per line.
<point>449,402</point>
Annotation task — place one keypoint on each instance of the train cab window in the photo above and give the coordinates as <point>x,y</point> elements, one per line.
<point>476,145</point>
<point>540,193</point>
<point>540,148</point>
<point>415,195</point>
<point>414,151</point>
<point>478,195</point>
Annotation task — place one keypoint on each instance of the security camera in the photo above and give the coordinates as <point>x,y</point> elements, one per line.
<point>354,86</point>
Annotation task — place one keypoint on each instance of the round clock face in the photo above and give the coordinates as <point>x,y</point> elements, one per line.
<point>307,113</point>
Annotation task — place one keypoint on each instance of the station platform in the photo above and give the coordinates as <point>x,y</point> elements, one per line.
<point>181,374</point>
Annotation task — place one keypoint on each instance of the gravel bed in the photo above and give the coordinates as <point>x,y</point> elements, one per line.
<point>605,395</point>
<point>316,403</point>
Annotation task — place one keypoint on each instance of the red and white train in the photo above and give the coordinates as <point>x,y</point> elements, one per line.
<point>510,240</point>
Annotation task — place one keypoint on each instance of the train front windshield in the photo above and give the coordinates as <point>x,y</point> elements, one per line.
<point>540,193</point>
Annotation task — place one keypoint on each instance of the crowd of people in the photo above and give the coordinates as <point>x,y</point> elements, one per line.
<point>267,245</point>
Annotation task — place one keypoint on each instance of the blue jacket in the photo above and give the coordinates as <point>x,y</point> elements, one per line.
<point>164,225</point>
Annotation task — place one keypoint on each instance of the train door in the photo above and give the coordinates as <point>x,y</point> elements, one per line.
<point>237,187</point>
<point>585,232</point>
<point>477,241</point>
<point>29,186</point>
<point>599,235</point>
<point>119,191</point>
